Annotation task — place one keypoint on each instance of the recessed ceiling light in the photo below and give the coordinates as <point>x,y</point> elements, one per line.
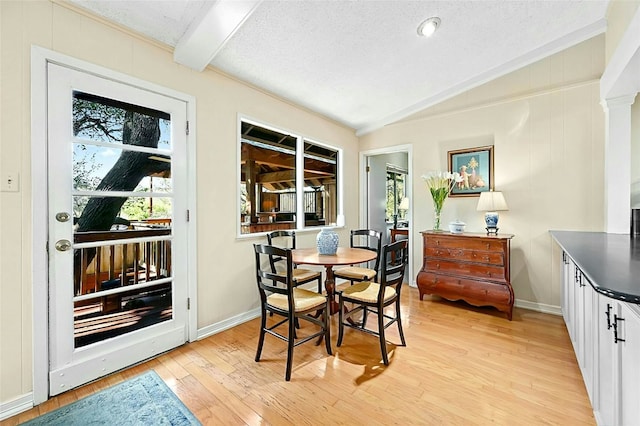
<point>429,26</point>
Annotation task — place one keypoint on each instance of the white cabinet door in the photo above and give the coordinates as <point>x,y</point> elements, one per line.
<point>604,398</point>
<point>572,304</point>
<point>578,315</point>
<point>582,305</point>
<point>589,336</point>
<point>628,329</point>
<point>564,294</point>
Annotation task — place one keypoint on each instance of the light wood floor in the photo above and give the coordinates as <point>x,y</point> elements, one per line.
<point>461,365</point>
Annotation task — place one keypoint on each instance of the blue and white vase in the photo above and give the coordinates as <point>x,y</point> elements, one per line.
<point>327,241</point>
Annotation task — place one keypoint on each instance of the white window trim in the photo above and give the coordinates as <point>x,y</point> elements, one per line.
<point>300,138</point>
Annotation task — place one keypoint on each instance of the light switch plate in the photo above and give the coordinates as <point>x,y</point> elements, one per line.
<point>10,182</point>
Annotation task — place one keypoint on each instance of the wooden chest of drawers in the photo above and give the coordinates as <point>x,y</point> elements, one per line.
<point>469,267</point>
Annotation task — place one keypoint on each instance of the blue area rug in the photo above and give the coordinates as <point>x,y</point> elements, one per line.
<point>143,400</point>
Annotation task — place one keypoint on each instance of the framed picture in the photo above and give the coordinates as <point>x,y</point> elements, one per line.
<point>475,165</point>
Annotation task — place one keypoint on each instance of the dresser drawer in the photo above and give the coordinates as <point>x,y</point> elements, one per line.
<point>472,267</point>
<point>473,270</point>
<point>490,257</point>
<point>470,244</point>
<point>477,293</point>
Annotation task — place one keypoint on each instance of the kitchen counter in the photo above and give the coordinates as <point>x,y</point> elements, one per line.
<point>611,262</point>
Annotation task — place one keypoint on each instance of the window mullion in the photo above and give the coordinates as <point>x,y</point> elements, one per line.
<point>299,182</point>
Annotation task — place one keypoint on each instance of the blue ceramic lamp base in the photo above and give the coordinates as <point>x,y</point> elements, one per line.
<point>491,220</point>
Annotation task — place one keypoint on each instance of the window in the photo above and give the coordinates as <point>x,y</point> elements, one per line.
<point>395,194</point>
<point>273,186</point>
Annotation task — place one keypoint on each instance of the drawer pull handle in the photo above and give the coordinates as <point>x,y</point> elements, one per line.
<point>616,318</point>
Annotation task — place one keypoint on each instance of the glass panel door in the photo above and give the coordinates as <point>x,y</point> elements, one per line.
<point>117,275</point>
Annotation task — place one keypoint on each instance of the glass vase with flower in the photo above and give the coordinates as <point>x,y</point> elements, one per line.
<point>440,185</point>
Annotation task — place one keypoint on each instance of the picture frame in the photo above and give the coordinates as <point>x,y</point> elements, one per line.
<point>476,167</point>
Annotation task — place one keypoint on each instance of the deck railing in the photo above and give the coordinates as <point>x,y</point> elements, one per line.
<point>123,282</point>
<point>118,259</point>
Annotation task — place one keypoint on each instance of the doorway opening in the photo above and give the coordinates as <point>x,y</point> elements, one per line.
<point>386,192</point>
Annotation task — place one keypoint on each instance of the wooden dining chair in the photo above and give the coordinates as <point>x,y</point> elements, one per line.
<point>371,297</point>
<point>280,296</point>
<point>367,239</point>
<point>287,239</point>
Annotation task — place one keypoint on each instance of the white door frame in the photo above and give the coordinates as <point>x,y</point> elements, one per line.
<point>39,59</point>
<point>408,149</point>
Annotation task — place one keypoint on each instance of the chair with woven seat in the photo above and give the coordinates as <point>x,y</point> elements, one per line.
<point>367,239</point>
<point>373,297</point>
<point>288,240</point>
<point>280,296</point>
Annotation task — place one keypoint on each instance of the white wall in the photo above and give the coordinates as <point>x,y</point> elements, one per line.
<point>546,124</point>
<point>226,283</point>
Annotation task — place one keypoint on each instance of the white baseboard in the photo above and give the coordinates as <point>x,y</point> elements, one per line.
<point>228,323</point>
<point>16,406</point>
<point>539,307</point>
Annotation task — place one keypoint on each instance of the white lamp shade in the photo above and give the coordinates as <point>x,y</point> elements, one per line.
<point>404,204</point>
<point>491,201</point>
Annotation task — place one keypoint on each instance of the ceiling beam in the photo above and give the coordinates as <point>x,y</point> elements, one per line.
<point>205,37</point>
<point>288,176</point>
<point>267,156</point>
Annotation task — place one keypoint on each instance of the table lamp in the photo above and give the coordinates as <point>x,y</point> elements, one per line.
<point>491,202</point>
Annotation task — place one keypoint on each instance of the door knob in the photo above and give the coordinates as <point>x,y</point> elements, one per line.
<point>62,217</point>
<point>63,245</point>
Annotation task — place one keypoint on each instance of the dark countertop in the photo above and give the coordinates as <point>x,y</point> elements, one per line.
<point>611,262</point>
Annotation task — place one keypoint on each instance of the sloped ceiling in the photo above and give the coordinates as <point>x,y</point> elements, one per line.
<point>360,62</point>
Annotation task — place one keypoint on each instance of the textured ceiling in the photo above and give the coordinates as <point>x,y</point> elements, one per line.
<point>162,20</point>
<point>361,62</point>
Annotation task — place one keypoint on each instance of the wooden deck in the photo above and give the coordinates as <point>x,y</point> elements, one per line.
<point>108,306</point>
<point>94,328</point>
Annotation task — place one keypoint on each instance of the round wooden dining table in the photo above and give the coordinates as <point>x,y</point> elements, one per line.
<point>343,256</point>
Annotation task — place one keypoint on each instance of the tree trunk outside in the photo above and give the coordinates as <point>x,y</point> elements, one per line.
<point>125,175</point>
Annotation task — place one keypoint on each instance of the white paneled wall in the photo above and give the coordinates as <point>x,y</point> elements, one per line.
<point>547,127</point>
